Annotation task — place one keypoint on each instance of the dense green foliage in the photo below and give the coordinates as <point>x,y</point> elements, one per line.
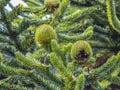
<point>60,45</point>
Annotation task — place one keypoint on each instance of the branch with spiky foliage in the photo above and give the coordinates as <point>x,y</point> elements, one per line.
<point>85,75</point>
<point>112,17</point>
<point>54,39</point>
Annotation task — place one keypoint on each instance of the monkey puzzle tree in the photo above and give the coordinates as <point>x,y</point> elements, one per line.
<point>60,45</point>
